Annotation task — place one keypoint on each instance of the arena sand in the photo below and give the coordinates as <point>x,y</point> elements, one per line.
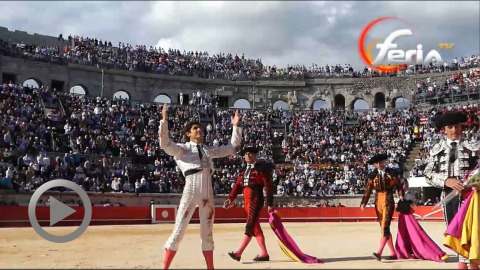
<point>341,245</point>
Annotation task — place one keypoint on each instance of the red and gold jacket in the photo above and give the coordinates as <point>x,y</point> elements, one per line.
<point>260,177</point>
<point>388,184</point>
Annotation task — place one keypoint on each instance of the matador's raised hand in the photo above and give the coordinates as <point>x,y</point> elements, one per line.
<point>164,112</point>
<point>236,119</point>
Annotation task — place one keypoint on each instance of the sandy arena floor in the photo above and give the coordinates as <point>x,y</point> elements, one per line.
<point>341,245</point>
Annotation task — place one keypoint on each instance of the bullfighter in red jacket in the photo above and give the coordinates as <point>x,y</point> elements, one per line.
<point>252,181</point>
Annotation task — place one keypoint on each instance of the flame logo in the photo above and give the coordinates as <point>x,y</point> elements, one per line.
<point>366,54</point>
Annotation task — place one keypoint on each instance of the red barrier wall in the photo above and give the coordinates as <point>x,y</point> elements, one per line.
<point>15,216</point>
<point>316,214</point>
<point>164,214</point>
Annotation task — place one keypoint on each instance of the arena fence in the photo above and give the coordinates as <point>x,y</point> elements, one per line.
<point>17,216</point>
<point>167,214</point>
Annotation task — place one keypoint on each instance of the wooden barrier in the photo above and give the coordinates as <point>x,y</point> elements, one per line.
<point>17,216</point>
<point>319,214</point>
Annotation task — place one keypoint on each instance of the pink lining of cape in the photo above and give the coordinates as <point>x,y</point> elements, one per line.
<point>414,243</point>
<point>286,242</point>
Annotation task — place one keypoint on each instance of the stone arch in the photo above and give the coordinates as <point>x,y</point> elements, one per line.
<point>320,104</point>
<point>242,103</point>
<point>121,94</point>
<point>339,101</point>
<point>379,100</point>
<point>162,98</point>
<point>280,104</point>
<point>78,89</point>
<point>401,102</point>
<point>359,104</point>
<point>33,82</point>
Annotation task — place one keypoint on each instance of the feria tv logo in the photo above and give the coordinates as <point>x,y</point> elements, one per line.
<point>396,59</point>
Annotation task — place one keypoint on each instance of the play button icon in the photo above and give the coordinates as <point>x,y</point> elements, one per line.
<point>59,211</point>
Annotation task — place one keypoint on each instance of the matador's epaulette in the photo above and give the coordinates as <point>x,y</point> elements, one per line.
<point>472,146</point>
<point>373,174</point>
<point>264,166</point>
<point>437,148</point>
<point>392,172</point>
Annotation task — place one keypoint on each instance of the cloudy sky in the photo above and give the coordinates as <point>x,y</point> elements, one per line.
<point>279,33</point>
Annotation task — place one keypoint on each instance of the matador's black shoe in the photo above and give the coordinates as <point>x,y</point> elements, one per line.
<point>376,256</point>
<point>394,257</point>
<point>262,259</point>
<point>233,256</point>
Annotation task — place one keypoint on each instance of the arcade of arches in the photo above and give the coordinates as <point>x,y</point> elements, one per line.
<point>78,90</point>
<point>242,104</point>
<point>33,83</point>
<point>339,101</point>
<point>162,98</point>
<point>398,102</point>
<point>321,104</point>
<point>121,95</point>
<point>280,104</point>
<point>360,104</point>
<point>401,103</point>
<point>380,101</point>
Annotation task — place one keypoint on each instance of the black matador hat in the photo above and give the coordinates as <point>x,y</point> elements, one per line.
<point>450,119</point>
<point>378,158</point>
<point>251,149</point>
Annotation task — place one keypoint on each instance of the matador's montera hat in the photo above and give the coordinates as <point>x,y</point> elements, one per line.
<point>250,149</point>
<point>378,158</point>
<point>451,119</point>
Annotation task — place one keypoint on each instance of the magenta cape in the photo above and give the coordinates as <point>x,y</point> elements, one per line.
<point>456,226</point>
<point>414,243</point>
<point>462,235</point>
<point>288,246</point>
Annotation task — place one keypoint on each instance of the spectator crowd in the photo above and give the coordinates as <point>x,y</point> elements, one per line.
<point>458,84</point>
<point>140,58</point>
<point>109,145</point>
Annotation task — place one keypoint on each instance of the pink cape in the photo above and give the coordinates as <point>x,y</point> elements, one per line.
<point>462,235</point>
<point>414,243</point>
<point>288,246</point>
<point>456,226</point>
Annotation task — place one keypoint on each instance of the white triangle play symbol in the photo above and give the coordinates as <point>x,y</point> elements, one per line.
<point>59,211</point>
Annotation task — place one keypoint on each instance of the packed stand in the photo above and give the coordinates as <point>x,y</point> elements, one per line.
<point>315,180</point>
<point>94,52</point>
<point>112,146</point>
<point>24,125</point>
<point>96,128</point>
<point>461,83</point>
<point>140,58</point>
<point>318,137</point>
<point>99,174</point>
<point>312,181</point>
